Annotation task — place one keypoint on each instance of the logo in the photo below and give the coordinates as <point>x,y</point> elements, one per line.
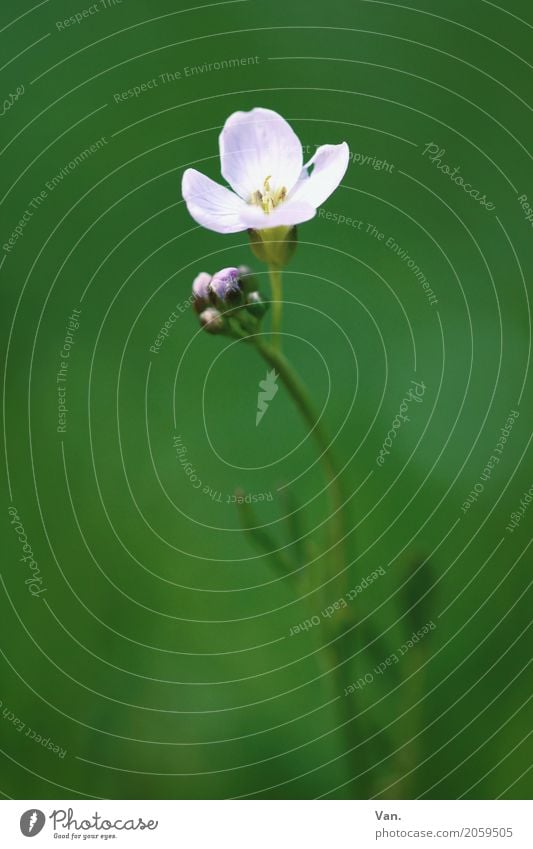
<point>32,822</point>
<point>269,388</point>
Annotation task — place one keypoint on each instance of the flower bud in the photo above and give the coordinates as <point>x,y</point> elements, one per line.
<point>224,287</point>
<point>200,291</point>
<point>212,321</point>
<point>229,302</point>
<point>256,305</point>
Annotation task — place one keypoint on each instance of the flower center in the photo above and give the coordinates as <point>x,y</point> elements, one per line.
<point>268,199</point>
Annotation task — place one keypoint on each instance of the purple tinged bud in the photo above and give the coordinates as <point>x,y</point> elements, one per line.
<point>212,321</point>
<point>224,285</point>
<point>200,290</point>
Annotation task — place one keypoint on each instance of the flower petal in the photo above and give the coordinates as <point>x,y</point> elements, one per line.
<point>285,215</point>
<point>256,145</point>
<point>211,205</point>
<point>329,167</point>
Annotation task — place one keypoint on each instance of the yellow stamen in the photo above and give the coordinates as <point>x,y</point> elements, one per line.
<point>267,199</point>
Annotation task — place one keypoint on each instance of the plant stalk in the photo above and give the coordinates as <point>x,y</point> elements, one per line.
<point>299,394</point>
<point>276,286</point>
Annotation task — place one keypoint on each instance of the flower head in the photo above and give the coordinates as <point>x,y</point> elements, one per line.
<point>255,304</point>
<point>212,321</point>
<point>262,160</point>
<point>225,285</point>
<point>228,302</point>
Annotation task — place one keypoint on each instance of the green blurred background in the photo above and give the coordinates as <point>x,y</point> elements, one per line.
<point>159,658</point>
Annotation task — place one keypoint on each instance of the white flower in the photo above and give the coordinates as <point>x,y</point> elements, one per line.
<point>261,159</point>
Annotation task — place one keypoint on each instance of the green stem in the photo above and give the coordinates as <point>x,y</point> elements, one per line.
<point>276,286</point>
<point>263,540</point>
<point>338,523</point>
<point>339,649</point>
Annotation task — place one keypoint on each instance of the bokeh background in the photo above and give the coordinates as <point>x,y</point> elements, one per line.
<point>158,658</point>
